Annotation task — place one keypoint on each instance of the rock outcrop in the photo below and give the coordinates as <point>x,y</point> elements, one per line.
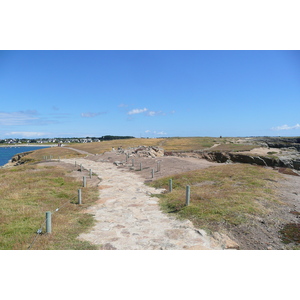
<point>142,151</point>
<point>285,161</point>
<point>17,159</point>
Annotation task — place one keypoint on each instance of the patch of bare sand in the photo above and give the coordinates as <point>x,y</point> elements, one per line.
<point>261,151</point>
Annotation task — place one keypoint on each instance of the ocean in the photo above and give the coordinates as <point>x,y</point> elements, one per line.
<point>6,153</point>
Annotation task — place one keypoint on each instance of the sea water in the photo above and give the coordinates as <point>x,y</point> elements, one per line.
<point>6,153</point>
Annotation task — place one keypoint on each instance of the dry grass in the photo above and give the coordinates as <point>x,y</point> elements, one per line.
<point>222,194</point>
<point>27,192</point>
<point>169,144</point>
<point>56,152</point>
<point>186,144</point>
<point>101,147</point>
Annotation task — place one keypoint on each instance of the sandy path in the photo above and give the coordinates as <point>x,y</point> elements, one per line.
<point>128,218</point>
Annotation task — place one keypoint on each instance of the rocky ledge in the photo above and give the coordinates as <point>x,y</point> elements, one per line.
<point>279,152</point>
<point>17,159</point>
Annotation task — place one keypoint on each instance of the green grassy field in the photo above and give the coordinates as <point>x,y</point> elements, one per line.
<point>221,194</point>
<point>27,192</point>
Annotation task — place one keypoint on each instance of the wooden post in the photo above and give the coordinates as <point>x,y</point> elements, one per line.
<point>84,181</point>
<point>170,185</point>
<point>48,222</point>
<point>133,162</point>
<point>188,195</point>
<point>79,197</point>
<point>90,173</point>
<point>158,166</point>
<point>152,171</point>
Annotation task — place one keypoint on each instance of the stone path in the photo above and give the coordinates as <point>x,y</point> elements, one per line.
<point>128,218</point>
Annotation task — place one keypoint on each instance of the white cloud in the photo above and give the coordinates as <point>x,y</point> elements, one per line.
<point>137,111</point>
<point>147,131</point>
<point>286,127</point>
<point>26,134</point>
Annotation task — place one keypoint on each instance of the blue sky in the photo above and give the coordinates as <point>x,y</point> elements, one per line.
<point>149,93</point>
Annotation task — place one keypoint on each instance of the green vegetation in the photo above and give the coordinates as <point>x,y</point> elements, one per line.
<point>227,194</point>
<point>290,233</point>
<point>27,192</point>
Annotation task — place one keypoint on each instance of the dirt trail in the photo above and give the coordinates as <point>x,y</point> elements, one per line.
<point>129,218</point>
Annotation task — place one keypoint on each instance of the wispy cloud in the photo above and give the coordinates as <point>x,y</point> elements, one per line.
<point>27,134</point>
<point>137,111</point>
<point>286,127</point>
<point>156,132</point>
<point>18,117</point>
<point>147,112</point>
<point>122,105</point>
<point>152,113</point>
<point>91,115</point>
<point>160,132</point>
<point>27,117</point>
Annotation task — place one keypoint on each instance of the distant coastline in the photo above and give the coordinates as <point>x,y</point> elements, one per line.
<point>8,151</point>
<point>27,145</point>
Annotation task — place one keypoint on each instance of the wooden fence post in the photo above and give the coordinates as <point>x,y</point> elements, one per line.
<point>188,195</point>
<point>79,197</point>
<point>170,185</point>
<point>48,222</point>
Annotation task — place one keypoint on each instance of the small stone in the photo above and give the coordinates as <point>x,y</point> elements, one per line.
<point>108,246</point>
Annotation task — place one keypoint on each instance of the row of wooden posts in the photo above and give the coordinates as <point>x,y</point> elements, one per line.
<point>48,213</point>
<point>187,192</point>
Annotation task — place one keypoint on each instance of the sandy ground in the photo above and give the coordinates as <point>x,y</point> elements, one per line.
<point>262,151</point>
